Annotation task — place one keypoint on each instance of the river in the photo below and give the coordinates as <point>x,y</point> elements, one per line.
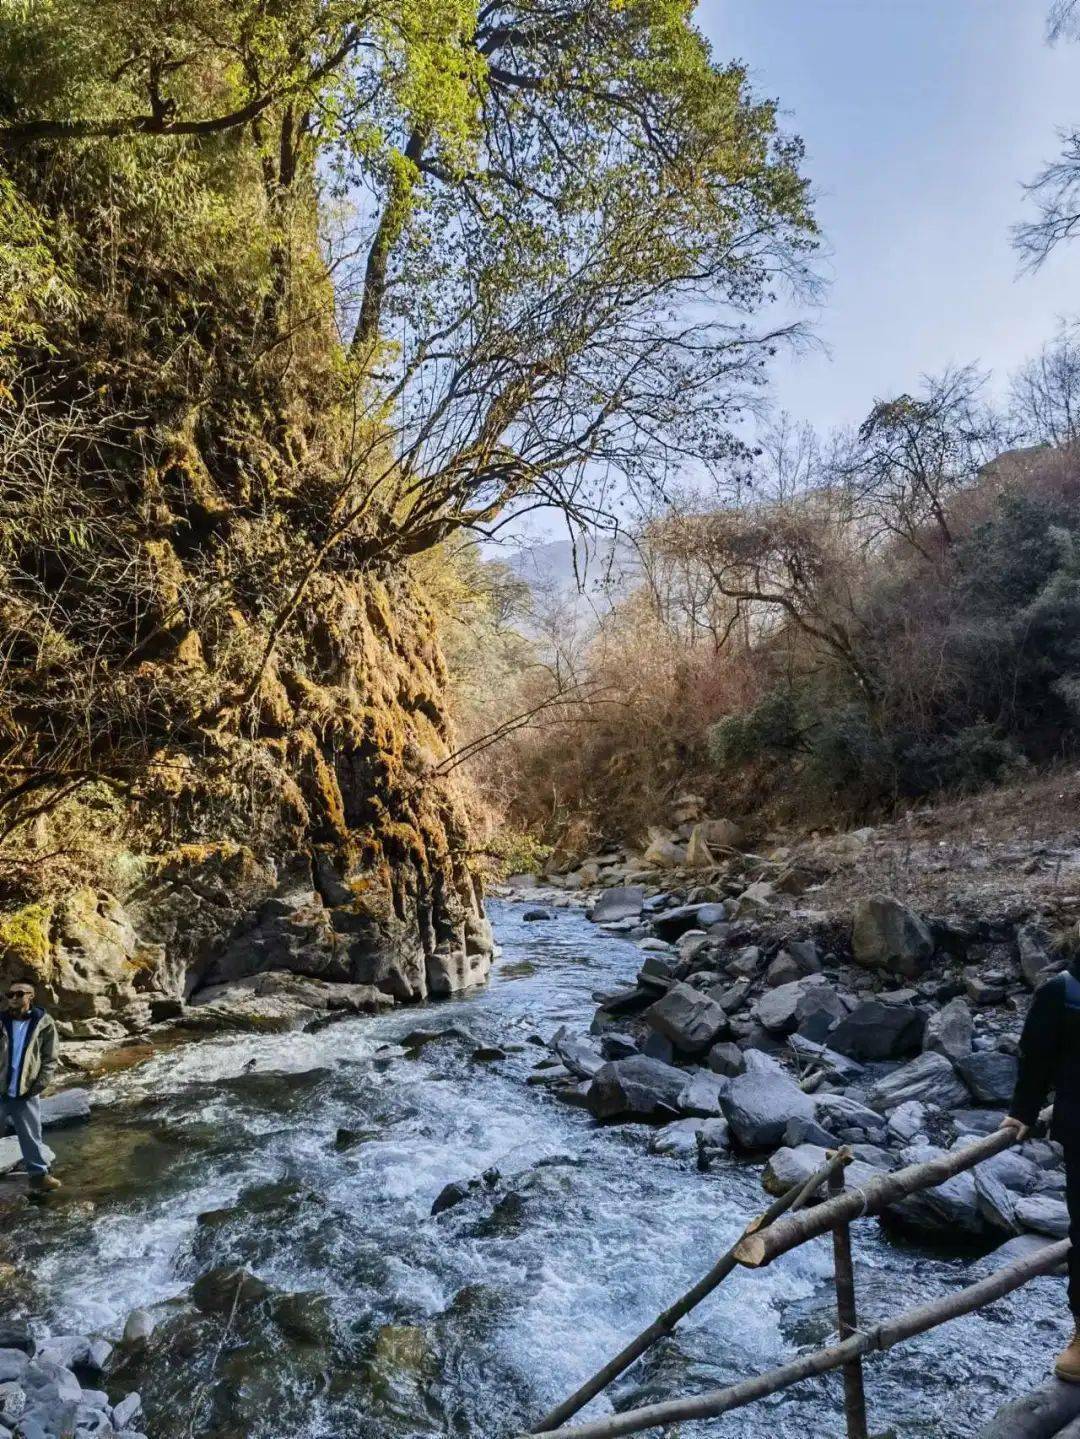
<point>227,1152</point>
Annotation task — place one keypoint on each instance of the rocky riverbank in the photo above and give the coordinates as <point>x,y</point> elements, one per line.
<point>765,1022</point>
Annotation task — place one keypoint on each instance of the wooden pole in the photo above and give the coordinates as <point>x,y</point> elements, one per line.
<point>822,1361</point>
<point>664,1323</point>
<point>766,1245</point>
<point>854,1392</point>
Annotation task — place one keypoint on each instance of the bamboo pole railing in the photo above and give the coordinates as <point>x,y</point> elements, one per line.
<point>879,1337</point>
<point>782,1227</point>
<point>792,1199</point>
<point>765,1245</point>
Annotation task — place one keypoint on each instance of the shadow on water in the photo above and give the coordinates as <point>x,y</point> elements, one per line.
<point>268,1198</point>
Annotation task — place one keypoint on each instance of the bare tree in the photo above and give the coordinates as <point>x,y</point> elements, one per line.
<point>1055,190</point>
<point>1045,392</point>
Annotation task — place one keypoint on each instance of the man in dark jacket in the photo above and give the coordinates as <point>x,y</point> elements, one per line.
<point>1050,1059</point>
<point>27,1060</point>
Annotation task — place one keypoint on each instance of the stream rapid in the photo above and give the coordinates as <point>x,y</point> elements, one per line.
<point>312,1160</point>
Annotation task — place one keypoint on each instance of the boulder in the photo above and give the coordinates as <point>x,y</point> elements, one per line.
<point>759,898</point>
<point>11,1155</point>
<point>726,1058</point>
<point>641,1087</point>
<point>930,1079</point>
<point>1042,1215</point>
<point>907,1121</point>
<point>721,833</point>
<point>948,1031</point>
<point>698,853</point>
<point>782,970</point>
<point>887,935</point>
<point>690,1019</point>
<point>70,1106</point>
<point>809,1006</point>
<point>622,902</point>
<point>747,964</point>
<point>809,1131</point>
<point>797,1164</point>
<point>1033,949</point>
<point>731,997</point>
<point>672,924</point>
<point>949,1210</point>
<point>840,1114</point>
<point>225,1288</point>
<point>702,1094</point>
<point>662,852</point>
<point>678,1140</point>
<point>576,1053</point>
<point>990,1075</point>
<point>761,1102</point>
<point>838,1066</point>
<point>996,1205</point>
<point>531,916</point>
<point>138,1328</point>
<point>874,1030</point>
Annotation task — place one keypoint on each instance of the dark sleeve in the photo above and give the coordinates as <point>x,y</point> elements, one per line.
<point>48,1057</point>
<point>1038,1052</point>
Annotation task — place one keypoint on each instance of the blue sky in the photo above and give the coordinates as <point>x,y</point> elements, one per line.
<point>921,119</point>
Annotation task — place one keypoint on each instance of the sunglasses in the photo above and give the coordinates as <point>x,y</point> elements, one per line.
<point>20,994</point>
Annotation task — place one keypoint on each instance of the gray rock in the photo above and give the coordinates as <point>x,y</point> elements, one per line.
<point>11,1155</point>
<point>672,924</point>
<point>726,1058</point>
<point>929,1079</point>
<point>887,935</point>
<point>950,1209</point>
<point>1022,1246</point>
<point>99,1355</point>
<point>948,1032</point>
<point>530,916</point>
<point>15,1335</point>
<point>622,902</point>
<point>838,1066</point>
<point>67,1350</point>
<point>639,1086</point>
<point>732,997</point>
<point>13,1364</point>
<point>70,1106</point>
<point>12,1403</point>
<point>714,1138</point>
<point>658,1046</point>
<point>1043,1215</point>
<point>878,1031</point>
<point>127,1410</point>
<point>990,1075</point>
<point>996,1205</point>
<point>908,1120</point>
<point>1033,948</point>
<point>451,1195</point>
<point>1009,1168</point>
<point>576,1053</point>
<point>839,1113</point>
<point>760,1104</point>
<point>809,1131</point>
<point>747,963</point>
<point>782,970</point>
<point>702,1094</point>
<point>791,1166</point>
<point>678,1140</point>
<point>810,1006</point>
<point>690,1019</point>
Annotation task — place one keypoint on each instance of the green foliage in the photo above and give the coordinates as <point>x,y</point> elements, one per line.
<point>769,730</point>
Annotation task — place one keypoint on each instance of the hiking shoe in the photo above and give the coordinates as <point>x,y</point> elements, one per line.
<point>46,1181</point>
<point>1068,1362</point>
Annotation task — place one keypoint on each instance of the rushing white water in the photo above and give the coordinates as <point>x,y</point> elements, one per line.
<point>473,1322</point>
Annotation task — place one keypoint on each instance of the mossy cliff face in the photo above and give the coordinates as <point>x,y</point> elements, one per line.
<point>368,882</point>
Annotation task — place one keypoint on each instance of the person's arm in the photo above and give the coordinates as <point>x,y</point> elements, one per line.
<point>48,1059</point>
<point>1038,1054</point>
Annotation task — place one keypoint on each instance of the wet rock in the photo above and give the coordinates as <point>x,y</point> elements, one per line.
<point>450,1196</point>
<point>138,1328</point>
<point>617,1046</point>
<point>622,902</point>
<point>576,1053</point>
<point>791,1166</point>
<point>1043,1215</point>
<point>760,1103</point>
<point>226,1287</point>
<point>948,1031</point>
<point>14,1335</point>
<point>990,1075</point>
<point>874,1030</point>
<point>531,916</point>
<point>887,935</point>
<point>690,1019</point>
<point>639,1086</point>
<point>930,1079</point>
<point>678,1140</point>
<point>66,1350</point>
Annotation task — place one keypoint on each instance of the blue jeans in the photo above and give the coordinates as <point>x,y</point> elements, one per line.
<point>24,1116</point>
